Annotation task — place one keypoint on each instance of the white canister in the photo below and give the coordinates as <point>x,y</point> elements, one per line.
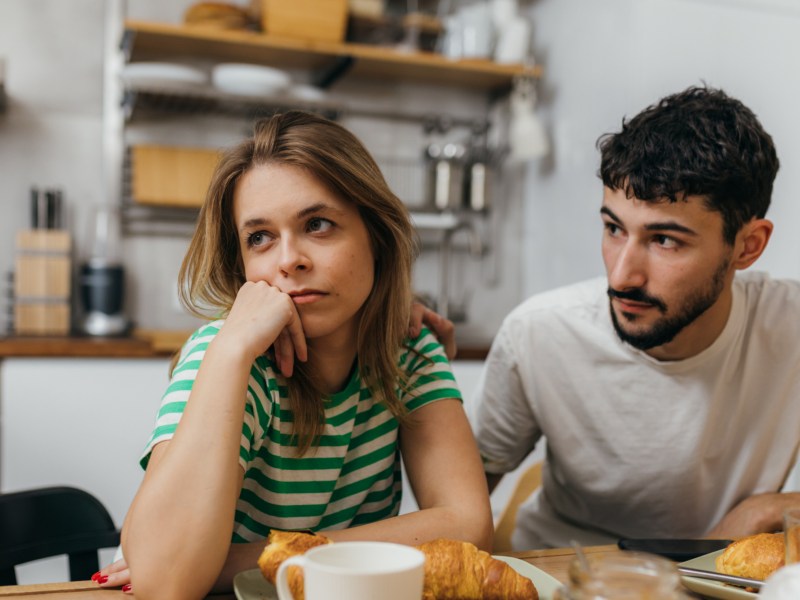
<point>514,41</point>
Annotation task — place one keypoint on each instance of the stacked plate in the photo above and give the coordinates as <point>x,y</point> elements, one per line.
<point>162,74</point>
<point>250,80</point>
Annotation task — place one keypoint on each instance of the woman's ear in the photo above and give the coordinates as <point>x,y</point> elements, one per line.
<point>751,241</point>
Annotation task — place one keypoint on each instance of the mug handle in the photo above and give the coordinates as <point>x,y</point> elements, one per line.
<point>282,578</point>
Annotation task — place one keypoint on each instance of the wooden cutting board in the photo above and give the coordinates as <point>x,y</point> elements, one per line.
<point>171,175</point>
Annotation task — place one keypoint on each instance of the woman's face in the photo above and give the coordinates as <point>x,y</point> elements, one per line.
<point>300,237</point>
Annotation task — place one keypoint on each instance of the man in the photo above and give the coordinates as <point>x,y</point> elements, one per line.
<point>669,391</point>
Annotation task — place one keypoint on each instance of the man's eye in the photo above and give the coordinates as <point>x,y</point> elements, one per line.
<point>665,241</point>
<point>318,224</point>
<point>611,228</point>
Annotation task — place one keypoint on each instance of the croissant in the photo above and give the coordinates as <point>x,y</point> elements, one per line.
<point>460,571</point>
<point>453,570</point>
<point>280,546</point>
<point>756,556</point>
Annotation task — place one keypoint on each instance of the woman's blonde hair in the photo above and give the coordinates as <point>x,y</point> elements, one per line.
<point>212,271</point>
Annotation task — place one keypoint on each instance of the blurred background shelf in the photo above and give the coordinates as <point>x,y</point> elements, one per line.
<point>154,41</point>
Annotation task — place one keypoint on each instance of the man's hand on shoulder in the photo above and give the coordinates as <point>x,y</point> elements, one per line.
<point>442,327</point>
<point>760,513</point>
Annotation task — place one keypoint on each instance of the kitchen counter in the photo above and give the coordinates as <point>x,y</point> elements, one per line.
<point>141,344</point>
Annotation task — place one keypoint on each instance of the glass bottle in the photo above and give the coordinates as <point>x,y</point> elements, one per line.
<point>622,576</point>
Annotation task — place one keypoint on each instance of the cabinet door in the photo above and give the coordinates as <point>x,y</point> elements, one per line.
<point>77,422</point>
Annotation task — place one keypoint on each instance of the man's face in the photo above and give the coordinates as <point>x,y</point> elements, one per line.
<point>667,265</point>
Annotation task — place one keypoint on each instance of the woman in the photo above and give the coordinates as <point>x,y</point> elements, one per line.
<point>307,254</point>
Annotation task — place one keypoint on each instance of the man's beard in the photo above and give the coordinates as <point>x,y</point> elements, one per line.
<point>665,330</point>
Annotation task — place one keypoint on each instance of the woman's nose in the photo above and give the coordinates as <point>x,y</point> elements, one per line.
<point>292,256</point>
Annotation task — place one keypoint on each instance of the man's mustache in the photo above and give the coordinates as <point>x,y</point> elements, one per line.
<point>638,295</point>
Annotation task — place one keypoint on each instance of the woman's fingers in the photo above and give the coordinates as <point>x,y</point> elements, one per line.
<point>284,353</point>
<point>115,575</point>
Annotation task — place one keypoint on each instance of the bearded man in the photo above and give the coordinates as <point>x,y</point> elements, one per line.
<point>669,391</point>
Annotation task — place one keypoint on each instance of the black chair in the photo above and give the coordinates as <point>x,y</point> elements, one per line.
<point>52,521</point>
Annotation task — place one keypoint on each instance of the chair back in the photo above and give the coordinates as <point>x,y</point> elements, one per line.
<point>52,521</point>
<point>528,481</point>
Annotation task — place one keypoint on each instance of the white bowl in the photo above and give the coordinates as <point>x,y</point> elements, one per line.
<point>250,80</point>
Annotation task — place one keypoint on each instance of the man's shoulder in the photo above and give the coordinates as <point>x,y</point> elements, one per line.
<point>760,289</point>
<point>585,295</point>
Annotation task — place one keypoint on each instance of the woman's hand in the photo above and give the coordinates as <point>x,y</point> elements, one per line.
<point>263,316</point>
<point>117,574</point>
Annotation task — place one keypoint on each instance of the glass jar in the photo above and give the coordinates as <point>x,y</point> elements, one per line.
<point>622,576</point>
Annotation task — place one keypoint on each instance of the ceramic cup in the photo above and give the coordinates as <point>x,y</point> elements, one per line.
<point>791,531</point>
<point>357,571</point>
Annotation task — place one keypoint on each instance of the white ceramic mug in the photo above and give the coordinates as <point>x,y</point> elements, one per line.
<point>357,571</point>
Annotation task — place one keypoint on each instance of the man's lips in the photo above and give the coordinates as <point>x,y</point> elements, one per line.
<point>633,307</point>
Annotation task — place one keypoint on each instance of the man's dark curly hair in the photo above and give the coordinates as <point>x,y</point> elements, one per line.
<point>699,142</point>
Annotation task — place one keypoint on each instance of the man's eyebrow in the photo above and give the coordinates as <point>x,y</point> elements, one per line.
<point>610,214</point>
<point>658,226</point>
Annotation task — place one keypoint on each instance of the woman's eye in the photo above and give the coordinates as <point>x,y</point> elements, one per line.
<point>259,238</point>
<point>318,224</point>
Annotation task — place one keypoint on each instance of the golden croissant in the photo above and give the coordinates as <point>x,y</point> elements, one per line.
<point>453,570</point>
<point>755,557</point>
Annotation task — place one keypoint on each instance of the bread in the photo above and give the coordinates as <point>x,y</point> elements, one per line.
<point>217,15</point>
<point>755,557</point>
<point>453,570</point>
<point>280,546</point>
<point>459,571</point>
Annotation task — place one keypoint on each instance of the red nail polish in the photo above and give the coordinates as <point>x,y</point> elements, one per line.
<point>96,576</point>
<point>126,588</point>
<point>102,579</point>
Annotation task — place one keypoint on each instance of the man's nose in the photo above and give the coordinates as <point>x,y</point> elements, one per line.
<point>629,267</point>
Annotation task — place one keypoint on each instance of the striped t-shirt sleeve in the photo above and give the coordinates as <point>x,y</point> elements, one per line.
<point>180,386</point>
<point>430,376</point>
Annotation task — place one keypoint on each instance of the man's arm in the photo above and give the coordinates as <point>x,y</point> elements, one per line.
<point>760,513</point>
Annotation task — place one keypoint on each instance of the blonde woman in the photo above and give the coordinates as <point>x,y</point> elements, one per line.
<point>293,410</point>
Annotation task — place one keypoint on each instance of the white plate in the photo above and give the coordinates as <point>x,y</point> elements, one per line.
<point>713,589</point>
<point>249,80</point>
<point>161,74</point>
<point>308,93</point>
<point>251,585</point>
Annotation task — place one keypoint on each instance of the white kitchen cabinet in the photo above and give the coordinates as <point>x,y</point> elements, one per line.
<point>78,422</point>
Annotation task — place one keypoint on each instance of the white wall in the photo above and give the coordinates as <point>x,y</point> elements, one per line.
<point>608,60</point>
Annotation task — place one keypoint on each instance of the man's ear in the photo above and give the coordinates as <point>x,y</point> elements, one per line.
<point>751,241</point>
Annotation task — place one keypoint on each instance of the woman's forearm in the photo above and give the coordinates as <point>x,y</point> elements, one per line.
<point>178,529</point>
<point>423,526</point>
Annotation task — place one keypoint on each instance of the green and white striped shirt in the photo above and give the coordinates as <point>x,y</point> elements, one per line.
<point>353,477</point>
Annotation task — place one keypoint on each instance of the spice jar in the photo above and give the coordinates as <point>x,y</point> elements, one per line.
<point>622,576</point>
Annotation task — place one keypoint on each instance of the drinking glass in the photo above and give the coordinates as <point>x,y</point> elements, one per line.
<point>791,532</point>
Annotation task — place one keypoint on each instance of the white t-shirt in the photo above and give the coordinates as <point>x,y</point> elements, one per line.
<point>638,447</point>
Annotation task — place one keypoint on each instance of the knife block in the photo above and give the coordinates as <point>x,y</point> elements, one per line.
<point>43,282</point>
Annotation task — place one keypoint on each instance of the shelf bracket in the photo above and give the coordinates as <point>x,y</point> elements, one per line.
<point>324,78</point>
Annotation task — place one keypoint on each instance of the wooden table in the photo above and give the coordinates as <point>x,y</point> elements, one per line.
<point>555,562</point>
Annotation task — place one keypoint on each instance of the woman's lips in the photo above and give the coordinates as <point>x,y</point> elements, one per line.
<point>307,297</point>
